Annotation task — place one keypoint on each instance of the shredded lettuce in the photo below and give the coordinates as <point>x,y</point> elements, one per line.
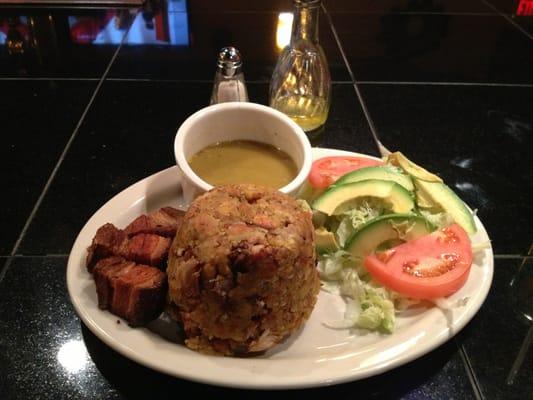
<point>446,304</point>
<point>480,246</point>
<point>331,266</point>
<point>348,222</point>
<point>440,219</point>
<point>368,305</point>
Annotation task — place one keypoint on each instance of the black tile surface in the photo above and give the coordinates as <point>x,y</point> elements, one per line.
<point>253,33</point>
<point>518,11</point>
<point>408,6</point>
<point>476,138</point>
<point>346,128</point>
<point>38,119</point>
<point>493,339</point>
<point>511,7</point>
<point>526,23</point>
<point>60,42</point>
<point>42,353</point>
<point>47,353</point>
<point>128,135</point>
<point>436,48</point>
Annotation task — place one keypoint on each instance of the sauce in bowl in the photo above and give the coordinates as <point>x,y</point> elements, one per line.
<point>243,161</point>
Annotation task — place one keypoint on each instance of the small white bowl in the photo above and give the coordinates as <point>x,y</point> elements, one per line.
<point>239,121</point>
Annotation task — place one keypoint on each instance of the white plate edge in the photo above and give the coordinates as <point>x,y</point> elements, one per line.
<point>243,383</point>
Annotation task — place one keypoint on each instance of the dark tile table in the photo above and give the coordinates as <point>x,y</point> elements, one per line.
<point>434,47</point>
<point>92,100</point>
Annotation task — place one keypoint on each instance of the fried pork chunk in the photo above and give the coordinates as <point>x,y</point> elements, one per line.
<point>132,291</point>
<point>145,240</point>
<point>241,270</point>
<point>163,222</point>
<point>144,248</point>
<point>122,263</point>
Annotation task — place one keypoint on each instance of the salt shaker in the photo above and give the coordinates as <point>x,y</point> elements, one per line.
<point>229,80</point>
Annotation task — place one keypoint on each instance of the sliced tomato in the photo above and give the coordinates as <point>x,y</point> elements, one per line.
<point>327,170</point>
<point>435,265</point>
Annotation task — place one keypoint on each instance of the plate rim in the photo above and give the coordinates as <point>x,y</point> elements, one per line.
<point>273,384</point>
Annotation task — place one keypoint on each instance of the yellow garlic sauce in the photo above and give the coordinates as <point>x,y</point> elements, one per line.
<point>243,161</point>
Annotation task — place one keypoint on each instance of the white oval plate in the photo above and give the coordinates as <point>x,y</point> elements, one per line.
<point>316,356</point>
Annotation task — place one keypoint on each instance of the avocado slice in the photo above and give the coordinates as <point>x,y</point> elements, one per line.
<point>325,241</point>
<point>416,171</point>
<point>423,200</point>
<point>308,192</point>
<point>444,198</point>
<point>337,199</point>
<point>387,228</point>
<point>385,173</point>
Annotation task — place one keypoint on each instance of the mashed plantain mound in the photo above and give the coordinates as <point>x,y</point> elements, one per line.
<point>241,270</point>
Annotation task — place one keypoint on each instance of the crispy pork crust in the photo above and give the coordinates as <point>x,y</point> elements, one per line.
<point>132,291</point>
<point>163,222</point>
<point>143,248</point>
<point>122,263</point>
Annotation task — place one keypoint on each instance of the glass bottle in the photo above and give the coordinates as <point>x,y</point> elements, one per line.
<point>229,79</point>
<point>300,86</point>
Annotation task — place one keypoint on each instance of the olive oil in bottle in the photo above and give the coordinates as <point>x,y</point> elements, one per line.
<point>310,112</point>
<point>301,83</point>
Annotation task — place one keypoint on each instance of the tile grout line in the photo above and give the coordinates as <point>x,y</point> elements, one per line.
<point>439,83</point>
<point>474,383</point>
<point>45,78</point>
<point>60,161</point>
<point>336,36</point>
<point>210,81</point>
<point>362,103</point>
<point>509,256</point>
<point>336,82</point>
<point>53,78</point>
<point>510,20</point>
<point>50,255</point>
<point>3,271</point>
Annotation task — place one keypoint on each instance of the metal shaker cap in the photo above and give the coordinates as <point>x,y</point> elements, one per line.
<point>229,61</point>
<point>307,3</point>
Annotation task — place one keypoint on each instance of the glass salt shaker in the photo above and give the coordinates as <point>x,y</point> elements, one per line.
<point>301,84</point>
<point>229,79</point>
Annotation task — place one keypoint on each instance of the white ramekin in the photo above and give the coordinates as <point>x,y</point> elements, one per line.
<point>239,121</point>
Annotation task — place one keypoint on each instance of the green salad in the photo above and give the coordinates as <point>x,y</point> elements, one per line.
<point>389,234</point>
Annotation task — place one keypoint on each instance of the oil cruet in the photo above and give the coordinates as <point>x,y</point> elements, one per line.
<point>301,84</point>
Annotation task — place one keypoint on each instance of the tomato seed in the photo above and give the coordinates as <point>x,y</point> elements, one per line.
<point>431,268</point>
